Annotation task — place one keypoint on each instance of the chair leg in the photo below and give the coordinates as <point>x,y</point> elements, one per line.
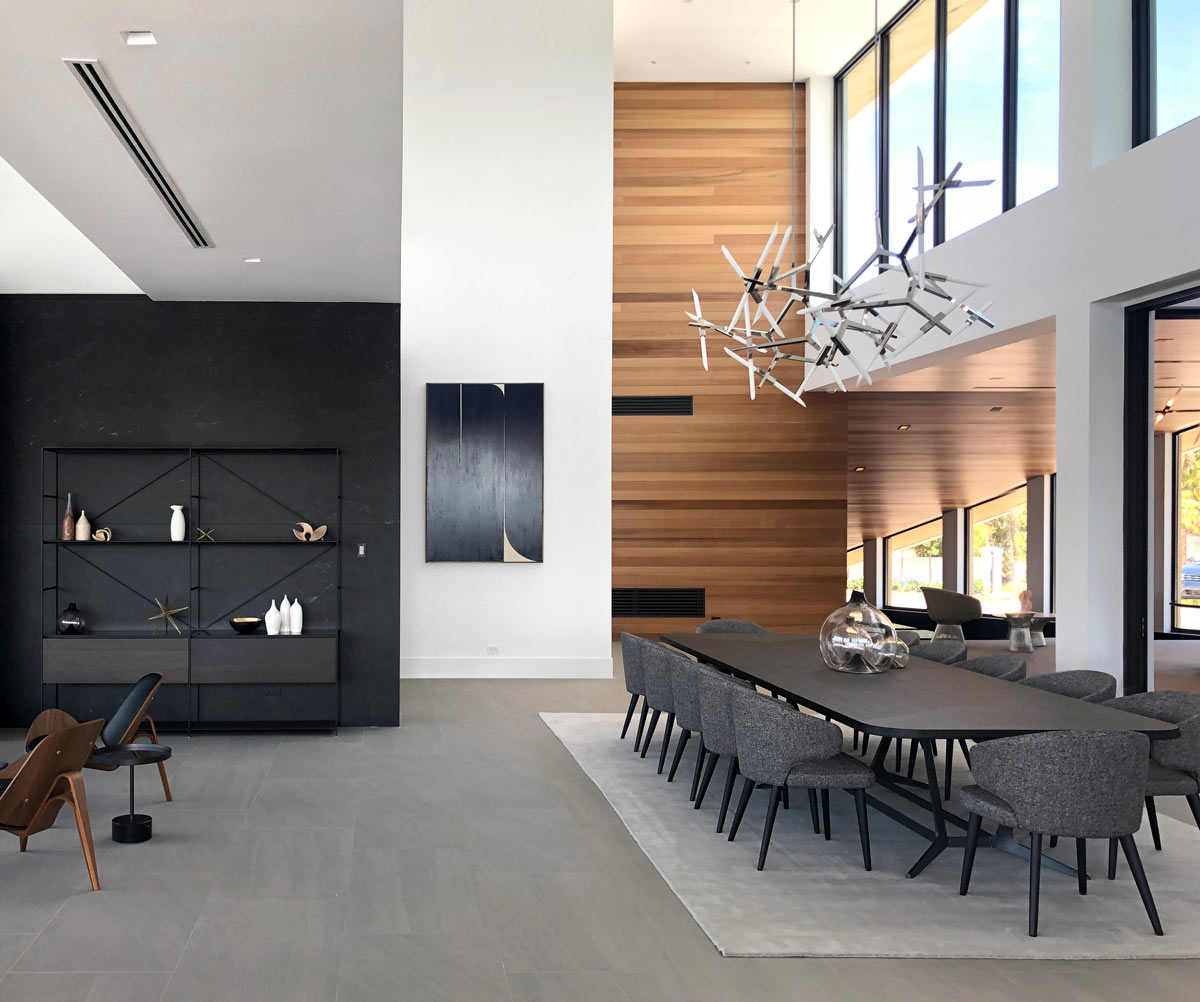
<point>728,794</point>
<point>1193,800</point>
<point>637,741</point>
<point>772,809</point>
<point>912,757</point>
<point>787,803</point>
<point>962,743</point>
<point>1153,815</point>
<point>1139,878</point>
<point>629,714</point>
<point>1112,859</point>
<point>1081,863</point>
<point>898,744</point>
<point>1035,880</point>
<point>855,745</point>
<point>24,839</point>
<point>949,766</point>
<point>866,740</point>
<point>662,752</point>
<point>812,806</point>
<point>743,800</point>
<point>825,814</point>
<point>684,736</point>
<point>650,732</point>
<point>973,826</point>
<point>79,806</point>
<point>709,766</point>
<point>701,753</point>
<point>1053,841</point>
<point>162,768</point>
<point>864,834</point>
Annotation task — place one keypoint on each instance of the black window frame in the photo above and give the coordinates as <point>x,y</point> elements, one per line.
<point>1008,178</point>
<point>1145,110</point>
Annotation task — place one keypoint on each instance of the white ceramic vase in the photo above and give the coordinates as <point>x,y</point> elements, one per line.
<point>285,617</point>
<point>178,524</point>
<point>83,528</point>
<point>297,619</point>
<point>272,620</point>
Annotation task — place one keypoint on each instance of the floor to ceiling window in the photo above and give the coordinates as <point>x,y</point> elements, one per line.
<point>910,113</point>
<point>1186,598</point>
<point>997,551</point>
<point>854,571</point>
<point>1038,46</point>
<point>1166,37</point>
<point>914,558</point>
<point>858,159</point>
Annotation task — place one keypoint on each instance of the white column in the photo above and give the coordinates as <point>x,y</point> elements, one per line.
<point>1089,370</point>
<point>954,557</point>
<point>1038,541</point>
<point>874,566</point>
<point>1162,525</point>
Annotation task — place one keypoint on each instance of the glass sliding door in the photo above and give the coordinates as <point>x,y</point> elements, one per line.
<point>859,173</point>
<point>1186,597</point>
<point>914,558</point>
<point>1037,97</point>
<point>910,114</point>
<point>997,534</point>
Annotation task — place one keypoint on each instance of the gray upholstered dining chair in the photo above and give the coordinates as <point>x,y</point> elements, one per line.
<point>634,651</point>
<point>685,696</point>
<point>949,610</point>
<point>782,747</point>
<point>1076,784</point>
<point>1090,686</point>
<point>1174,767</point>
<point>946,652</point>
<point>715,691</point>
<point>730,626</point>
<point>659,697</point>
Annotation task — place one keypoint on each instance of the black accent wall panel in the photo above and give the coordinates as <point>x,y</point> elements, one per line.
<point>123,370</point>
<point>483,472</point>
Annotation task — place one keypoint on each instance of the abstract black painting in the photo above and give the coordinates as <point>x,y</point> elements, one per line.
<point>483,472</point>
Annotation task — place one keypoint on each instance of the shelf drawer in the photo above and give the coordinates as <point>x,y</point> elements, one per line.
<point>89,660</point>
<point>264,660</point>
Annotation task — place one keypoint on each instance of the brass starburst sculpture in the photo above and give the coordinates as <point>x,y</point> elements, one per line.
<point>205,536</point>
<point>166,613</point>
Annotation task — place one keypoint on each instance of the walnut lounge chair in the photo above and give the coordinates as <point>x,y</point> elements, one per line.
<point>34,788</point>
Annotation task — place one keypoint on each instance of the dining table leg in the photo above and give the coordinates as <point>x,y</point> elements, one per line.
<point>940,840</point>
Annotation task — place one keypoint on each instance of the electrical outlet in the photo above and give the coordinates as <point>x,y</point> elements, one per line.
<point>493,648</point>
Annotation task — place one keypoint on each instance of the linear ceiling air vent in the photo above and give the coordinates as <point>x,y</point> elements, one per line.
<point>87,72</point>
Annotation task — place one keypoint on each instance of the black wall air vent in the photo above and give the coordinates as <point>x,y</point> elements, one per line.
<point>627,406</point>
<point>653,603</point>
<point>87,72</point>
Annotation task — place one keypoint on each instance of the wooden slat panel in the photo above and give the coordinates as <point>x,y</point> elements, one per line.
<point>746,500</point>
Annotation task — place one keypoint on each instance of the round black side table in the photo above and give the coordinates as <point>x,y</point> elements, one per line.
<point>131,827</point>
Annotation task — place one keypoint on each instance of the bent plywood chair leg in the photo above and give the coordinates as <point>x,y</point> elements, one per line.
<point>78,801</point>
<point>24,842</point>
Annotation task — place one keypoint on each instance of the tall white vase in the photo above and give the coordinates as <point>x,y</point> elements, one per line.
<point>297,619</point>
<point>285,617</point>
<point>83,528</point>
<point>178,524</point>
<point>272,620</point>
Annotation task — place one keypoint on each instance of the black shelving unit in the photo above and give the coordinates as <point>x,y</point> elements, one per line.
<point>214,678</point>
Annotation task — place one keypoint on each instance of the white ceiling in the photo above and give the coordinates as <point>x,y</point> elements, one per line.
<point>739,40</point>
<point>279,122</point>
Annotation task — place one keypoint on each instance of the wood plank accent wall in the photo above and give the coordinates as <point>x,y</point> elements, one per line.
<point>744,499</point>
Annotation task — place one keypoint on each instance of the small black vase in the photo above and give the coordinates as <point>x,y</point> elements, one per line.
<point>70,621</point>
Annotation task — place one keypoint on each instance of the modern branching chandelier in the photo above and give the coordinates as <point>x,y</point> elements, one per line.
<point>891,323</point>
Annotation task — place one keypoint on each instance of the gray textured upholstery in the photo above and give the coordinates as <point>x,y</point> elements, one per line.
<point>910,637</point>
<point>685,691</point>
<point>948,652</point>
<point>951,606</point>
<point>716,712</point>
<point>634,651</point>
<point>730,626</point>
<point>1007,667</point>
<point>781,746</point>
<point>1090,686</point>
<point>1182,708</point>
<point>1163,781</point>
<point>977,800</point>
<point>1076,784</point>
<point>658,678</point>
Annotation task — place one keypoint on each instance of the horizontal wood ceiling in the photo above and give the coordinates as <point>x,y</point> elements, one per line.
<point>744,499</point>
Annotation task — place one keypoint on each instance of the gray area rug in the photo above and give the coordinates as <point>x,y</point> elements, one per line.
<point>814,899</point>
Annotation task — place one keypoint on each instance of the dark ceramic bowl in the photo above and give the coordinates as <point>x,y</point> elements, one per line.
<point>245,624</point>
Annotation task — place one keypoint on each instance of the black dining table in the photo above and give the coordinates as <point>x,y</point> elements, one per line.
<point>924,702</point>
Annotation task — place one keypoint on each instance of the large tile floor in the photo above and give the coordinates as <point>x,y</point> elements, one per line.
<point>463,856</point>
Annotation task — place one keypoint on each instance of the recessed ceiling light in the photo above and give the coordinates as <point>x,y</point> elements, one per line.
<point>139,38</point>
<point>994,409</point>
<point>995,377</point>
<point>653,62</point>
<point>252,260</point>
<point>903,427</point>
<point>859,469</point>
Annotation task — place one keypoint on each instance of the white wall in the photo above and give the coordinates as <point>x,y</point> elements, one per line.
<point>506,276</point>
<point>1120,227</point>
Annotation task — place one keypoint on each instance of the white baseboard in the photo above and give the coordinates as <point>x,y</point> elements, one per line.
<point>493,667</point>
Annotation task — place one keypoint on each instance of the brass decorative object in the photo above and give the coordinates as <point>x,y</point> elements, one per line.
<point>102,535</point>
<point>307,534</point>
<point>204,535</point>
<point>167,614</point>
